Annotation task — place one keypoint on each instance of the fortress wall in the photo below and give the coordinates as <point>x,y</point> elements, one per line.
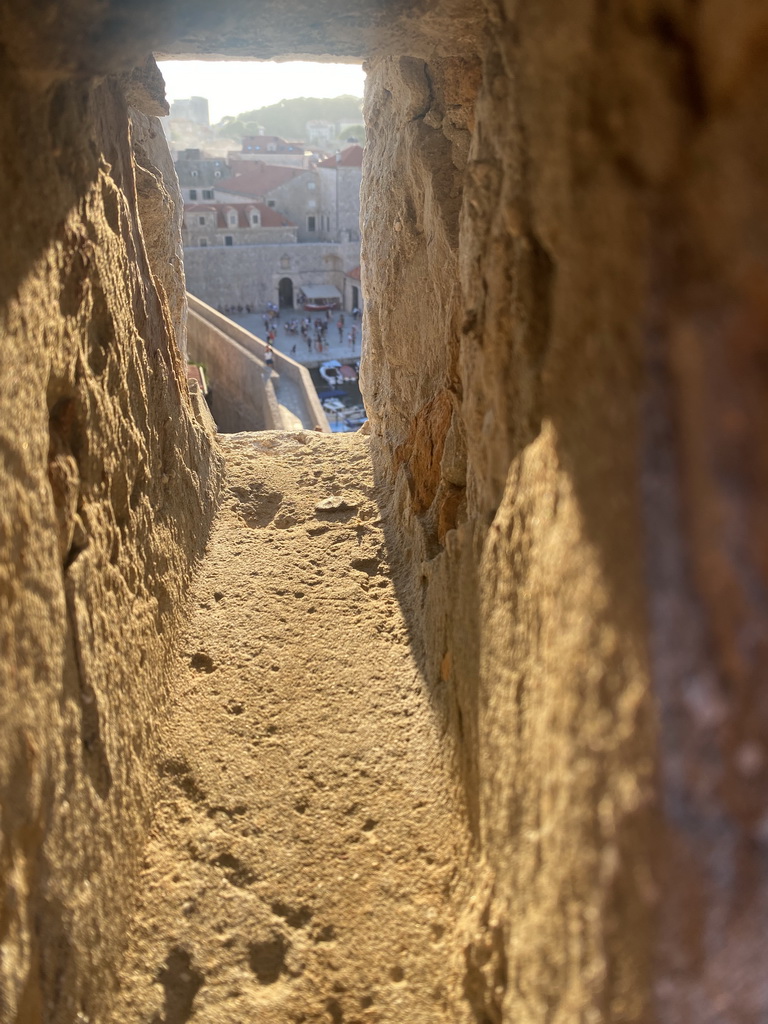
<point>564,269</point>
<point>566,384</point>
<point>240,397</point>
<point>109,485</point>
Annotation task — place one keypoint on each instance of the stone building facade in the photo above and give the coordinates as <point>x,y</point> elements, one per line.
<point>292,191</point>
<point>234,224</point>
<point>258,205</point>
<point>251,275</point>
<point>198,174</point>
<point>340,179</point>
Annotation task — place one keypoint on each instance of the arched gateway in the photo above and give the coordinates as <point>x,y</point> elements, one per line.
<point>285,293</point>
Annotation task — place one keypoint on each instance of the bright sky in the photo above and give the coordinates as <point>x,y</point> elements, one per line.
<point>232,87</point>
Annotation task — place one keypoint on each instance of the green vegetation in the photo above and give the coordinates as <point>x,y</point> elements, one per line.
<point>288,117</point>
<point>353,131</point>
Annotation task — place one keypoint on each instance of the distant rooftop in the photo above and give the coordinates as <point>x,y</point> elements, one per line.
<point>269,218</point>
<point>256,179</point>
<point>352,156</point>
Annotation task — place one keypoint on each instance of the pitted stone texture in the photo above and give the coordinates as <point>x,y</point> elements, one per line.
<point>161,211</point>
<point>91,37</point>
<point>603,232</point>
<point>108,488</point>
<point>309,853</point>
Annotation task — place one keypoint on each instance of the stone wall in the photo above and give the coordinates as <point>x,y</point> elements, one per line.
<point>243,398</point>
<point>160,210</point>
<point>574,495</point>
<point>514,471</point>
<point>564,237</point>
<point>251,274</point>
<point>340,191</point>
<point>108,485</point>
<point>240,397</point>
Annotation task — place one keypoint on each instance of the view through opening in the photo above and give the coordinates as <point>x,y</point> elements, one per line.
<point>269,161</point>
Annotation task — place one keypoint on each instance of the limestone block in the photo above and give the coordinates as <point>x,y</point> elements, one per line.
<point>603,177</point>
<point>108,485</point>
<point>161,212</point>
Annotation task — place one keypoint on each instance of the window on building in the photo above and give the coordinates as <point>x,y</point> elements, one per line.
<point>193,193</point>
<point>217,174</point>
<point>310,223</point>
<point>311,204</point>
<point>201,221</point>
<point>271,204</point>
<point>207,193</point>
<point>255,220</point>
<point>232,219</point>
<point>311,186</point>
<point>228,240</point>
<point>203,242</point>
<point>193,174</point>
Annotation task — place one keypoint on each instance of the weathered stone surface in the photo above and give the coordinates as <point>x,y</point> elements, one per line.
<point>161,211</point>
<point>302,862</point>
<point>603,233</point>
<point>108,488</point>
<point>91,37</point>
<point>564,264</point>
<point>239,274</point>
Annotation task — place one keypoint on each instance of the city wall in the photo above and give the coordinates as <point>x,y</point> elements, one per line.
<point>242,396</point>
<point>233,355</point>
<point>109,482</point>
<point>564,252</point>
<point>232,275</point>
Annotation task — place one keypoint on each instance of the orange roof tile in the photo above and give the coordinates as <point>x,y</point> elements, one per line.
<point>269,218</point>
<point>256,178</point>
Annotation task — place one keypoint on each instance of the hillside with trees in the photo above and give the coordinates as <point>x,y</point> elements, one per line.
<point>289,117</point>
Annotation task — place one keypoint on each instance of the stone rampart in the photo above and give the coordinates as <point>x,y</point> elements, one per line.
<point>234,340</point>
<point>242,396</point>
<point>109,484</point>
<point>564,248</point>
<point>250,274</point>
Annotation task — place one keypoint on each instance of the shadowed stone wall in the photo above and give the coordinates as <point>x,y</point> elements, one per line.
<point>108,485</point>
<point>564,236</point>
<point>574,497</point>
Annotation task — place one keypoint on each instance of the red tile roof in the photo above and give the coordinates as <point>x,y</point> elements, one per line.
<point>269,218</point>
<point>256,178</point>
<point>352,156</point>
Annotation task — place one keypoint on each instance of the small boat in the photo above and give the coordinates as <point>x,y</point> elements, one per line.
<point>348,373</point>
<point>330,371</point>
<point>334,405</point>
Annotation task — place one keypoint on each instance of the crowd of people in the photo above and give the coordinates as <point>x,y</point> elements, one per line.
<point>237,310</point>
<point>314,332</point>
